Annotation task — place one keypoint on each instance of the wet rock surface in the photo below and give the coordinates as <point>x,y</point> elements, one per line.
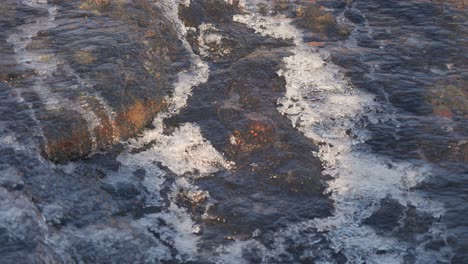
<point>99,73</point>
<point>423,83</point>
<point>236,110</point>
<point>117,71</point>
<point>391,216</point>
<point>387,216</point>
<point>78,77</point>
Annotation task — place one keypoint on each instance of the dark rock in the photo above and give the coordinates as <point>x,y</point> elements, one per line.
<point>121,189</point>
<point>209,11</point>
<point>21,231</point>
<point>415,222</point>
<point>272,181</point>
<point>396,219</point>
<point>252,132</point>
<point>214,17</point>
<point>354,16</point>
<point>101,70</point>
<point>387,217</point>
<point>435,245</point>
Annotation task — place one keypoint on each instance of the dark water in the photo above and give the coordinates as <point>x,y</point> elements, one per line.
<point>282,132</point>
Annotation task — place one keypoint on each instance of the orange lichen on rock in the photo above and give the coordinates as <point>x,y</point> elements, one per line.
<point>448,100</point>
<point>94,5</point>
<point>75,144</point>
<point>443,111</point>
<point>315,43</point>
<point>191,198</point>
<point>123,80</point>
<point>137,116</point>
<point>258,132</point>
<point>315,18</point>
<point>78,140</point>
<point>460,4</point>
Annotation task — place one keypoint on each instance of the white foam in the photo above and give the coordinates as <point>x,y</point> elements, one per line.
<point>184,152</point>
<point>11,140</point>
<point>322,105</point>
<point>23,37</point>
<point>185,3</point>
<point>210,41</point>
<point>233,253</point>
<point>177,229</point>
<point>263,25</point>
<point>198,72</point>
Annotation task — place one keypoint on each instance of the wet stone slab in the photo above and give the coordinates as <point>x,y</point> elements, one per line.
<point>93,74</point>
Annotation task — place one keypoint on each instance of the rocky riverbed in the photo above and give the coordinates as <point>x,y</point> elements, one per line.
<point>212,131</point>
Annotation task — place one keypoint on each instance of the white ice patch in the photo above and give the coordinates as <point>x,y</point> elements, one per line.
<point>322,105</point>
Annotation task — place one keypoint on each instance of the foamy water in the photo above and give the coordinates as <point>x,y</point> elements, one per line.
<point>184,152</point>
<point>321,104</point>
<point>318,101</point>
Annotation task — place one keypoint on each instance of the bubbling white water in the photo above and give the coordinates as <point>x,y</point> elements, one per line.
<point>327,109</point>
<point>210,37</point>
<point>184,152</point>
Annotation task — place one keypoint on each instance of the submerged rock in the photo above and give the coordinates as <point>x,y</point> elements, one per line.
<point>101,69</point>
<point>222,176</point>
<point>276,178</point>
<point>387,217</point>
<point>402,221</point>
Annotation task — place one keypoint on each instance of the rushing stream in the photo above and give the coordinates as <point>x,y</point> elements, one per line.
<point>212,131</point>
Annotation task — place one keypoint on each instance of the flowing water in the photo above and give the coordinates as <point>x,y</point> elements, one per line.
<point>285,139</point>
